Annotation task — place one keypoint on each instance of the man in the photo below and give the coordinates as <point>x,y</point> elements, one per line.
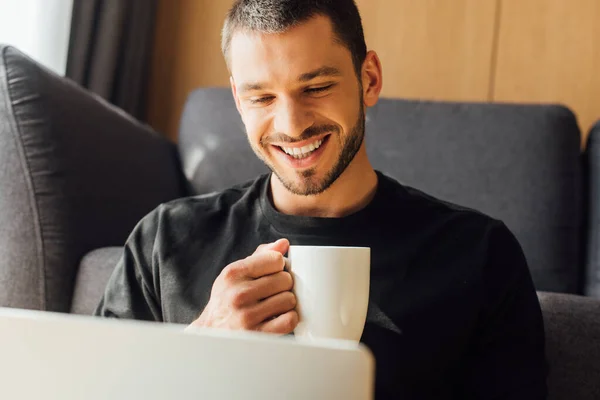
<point>459,313</point>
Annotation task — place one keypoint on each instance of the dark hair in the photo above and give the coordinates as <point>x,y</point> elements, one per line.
<point>276,16</point>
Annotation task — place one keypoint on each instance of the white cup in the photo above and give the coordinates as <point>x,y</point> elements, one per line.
<point>331,285</point>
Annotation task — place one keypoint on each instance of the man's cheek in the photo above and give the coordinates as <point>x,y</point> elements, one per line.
<point>251,120</point>
<point>254,136</point>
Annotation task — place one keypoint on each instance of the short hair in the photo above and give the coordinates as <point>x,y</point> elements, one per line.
<point>276,16</point>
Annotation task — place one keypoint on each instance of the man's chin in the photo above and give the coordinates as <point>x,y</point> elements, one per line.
<point>303,183</point>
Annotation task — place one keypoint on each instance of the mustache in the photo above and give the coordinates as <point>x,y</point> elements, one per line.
<point>309,133</point>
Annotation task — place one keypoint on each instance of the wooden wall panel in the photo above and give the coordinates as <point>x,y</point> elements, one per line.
<point>187,55</point>
<point>549,51</point>
<point>435,49</point>
<point>501,50</point>
<point>439,49</point>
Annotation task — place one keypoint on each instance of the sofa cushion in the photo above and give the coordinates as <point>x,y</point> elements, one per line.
<point>94,271</point>
<point>76,174</point>
<point>517,163</point>
<point>572,325</point>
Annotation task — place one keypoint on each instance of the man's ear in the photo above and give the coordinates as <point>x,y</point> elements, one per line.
<point>372,79</point>
<point>235,96</point>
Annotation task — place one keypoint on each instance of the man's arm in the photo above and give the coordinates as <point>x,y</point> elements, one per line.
<point>506,359</point>
<point>131,292</point>
<point>250,294</point>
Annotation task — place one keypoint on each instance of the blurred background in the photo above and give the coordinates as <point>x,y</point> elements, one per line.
<point>146,56</point>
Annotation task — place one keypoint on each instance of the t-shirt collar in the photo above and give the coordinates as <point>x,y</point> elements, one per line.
<point>285,223</point>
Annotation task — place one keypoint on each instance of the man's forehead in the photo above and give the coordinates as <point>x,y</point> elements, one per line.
<point>317,31</point>
<point>319,25</point>
<point>301,53</point>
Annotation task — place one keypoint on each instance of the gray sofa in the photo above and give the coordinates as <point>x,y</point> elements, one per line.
<point>77,174</point>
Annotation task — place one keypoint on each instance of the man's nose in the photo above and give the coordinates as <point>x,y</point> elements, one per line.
<point>291,118</point>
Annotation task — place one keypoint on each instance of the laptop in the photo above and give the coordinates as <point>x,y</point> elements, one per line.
<point>59,356</point>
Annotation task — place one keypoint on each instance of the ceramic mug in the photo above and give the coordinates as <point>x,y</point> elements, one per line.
<point>331,285</point>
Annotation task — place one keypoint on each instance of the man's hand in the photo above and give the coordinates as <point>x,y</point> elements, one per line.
<point>253,294</point>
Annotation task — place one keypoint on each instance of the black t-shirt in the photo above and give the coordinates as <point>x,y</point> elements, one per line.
<point>456,316</point>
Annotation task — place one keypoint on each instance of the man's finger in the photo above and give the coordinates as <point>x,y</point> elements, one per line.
<point>269,285</point>
<point>274,306</point>
<point>282,324</point>
<point>280,246</point>
<point>266,262</point>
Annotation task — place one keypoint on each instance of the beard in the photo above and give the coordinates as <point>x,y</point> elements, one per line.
<point>310,184</point>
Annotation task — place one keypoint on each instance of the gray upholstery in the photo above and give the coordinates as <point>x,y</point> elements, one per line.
<point>94,271</point>
<point>572,325</point>
<point>518,163</point>
<point>214,151</point>
<point>77,174</point>
<point>592,158</point>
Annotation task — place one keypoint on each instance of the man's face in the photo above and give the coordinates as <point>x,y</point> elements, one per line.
<point>301,103</point>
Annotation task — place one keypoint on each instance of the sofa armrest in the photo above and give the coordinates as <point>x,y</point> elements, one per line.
<point>76,174</point>
<point>572,326</point>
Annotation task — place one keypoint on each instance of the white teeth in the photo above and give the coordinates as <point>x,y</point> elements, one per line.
<point>301,152</point>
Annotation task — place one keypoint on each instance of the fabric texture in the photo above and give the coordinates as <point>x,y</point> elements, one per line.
<point>592,163</point>
<point>110,47</point>
<point>572,325</point>
<point>77,175</point>
<point>456,312</point>
<point>518,163</point>
<point>94,271</point>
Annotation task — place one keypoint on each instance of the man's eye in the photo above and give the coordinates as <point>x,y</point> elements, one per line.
<point>261,100</point>
<point>319,89</point>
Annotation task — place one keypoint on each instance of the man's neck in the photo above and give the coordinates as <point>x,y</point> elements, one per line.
<point>351,192</point>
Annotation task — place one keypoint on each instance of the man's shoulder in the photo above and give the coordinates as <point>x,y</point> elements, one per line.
<point>222,198</point>
<point>425,208</point>
<point>462,231</point>
<point>198,208</point>
<point>445,207</point>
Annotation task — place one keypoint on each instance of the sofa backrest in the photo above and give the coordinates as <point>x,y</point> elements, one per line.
<point>517,163</point>
<point>592,196</point>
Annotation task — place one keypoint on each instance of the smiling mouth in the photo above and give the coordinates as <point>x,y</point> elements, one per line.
<point>300,153</point>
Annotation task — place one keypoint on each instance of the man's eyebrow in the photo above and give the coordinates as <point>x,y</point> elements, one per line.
<point>248,87</point>
<point>321,72</point>
<point>308,76</point>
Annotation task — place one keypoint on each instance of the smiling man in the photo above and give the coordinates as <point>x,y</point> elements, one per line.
<point>457,313</point>
<point>302,100</point>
